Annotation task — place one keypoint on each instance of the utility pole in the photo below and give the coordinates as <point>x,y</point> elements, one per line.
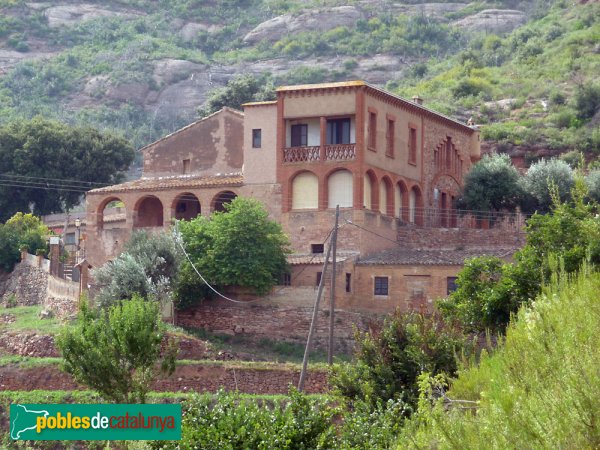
<point>332,290</point>
<point>314,320</point>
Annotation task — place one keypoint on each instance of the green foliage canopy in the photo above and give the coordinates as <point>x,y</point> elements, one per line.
<point>117,351</point>
<point>540,180</point>
<point>148,266</point>
<point>388,363</point>
<point>36,155</point>
<point>21,230</point>
<point>492,184</point>
<point>238,247</point>
<point>239,90</point>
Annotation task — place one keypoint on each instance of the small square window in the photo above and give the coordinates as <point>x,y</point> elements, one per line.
<point>286,279</point>
<point>319,276</point>
<point>381,286</point>
<point>451,284</point>
<point>256,138</point>
<point>186,166</point>
<point>317,248</point>
<point>348,282</point>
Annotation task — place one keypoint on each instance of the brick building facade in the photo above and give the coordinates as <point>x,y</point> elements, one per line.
<point>386,161</point>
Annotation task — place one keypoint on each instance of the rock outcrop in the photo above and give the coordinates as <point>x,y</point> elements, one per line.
<point>493,21</point>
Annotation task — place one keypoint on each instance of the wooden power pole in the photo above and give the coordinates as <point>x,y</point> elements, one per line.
<point>313,322</point>
<point>332,290</point>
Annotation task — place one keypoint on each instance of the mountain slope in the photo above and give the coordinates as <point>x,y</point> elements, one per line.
<point>143,68</point>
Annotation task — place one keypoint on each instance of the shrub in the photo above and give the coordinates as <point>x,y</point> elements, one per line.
<point>492,184</point>
<point>388,362</point>
<point>21,231</point>
<point>117,351</point>
<point>539,182</point>
<point>587,101</point>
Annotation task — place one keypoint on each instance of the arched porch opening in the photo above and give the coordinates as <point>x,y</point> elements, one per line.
<point>148,213</point>
<point>221,199</point>
<point>186,206</point>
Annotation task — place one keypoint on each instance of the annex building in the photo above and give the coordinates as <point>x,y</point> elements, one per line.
<point>393,166</point>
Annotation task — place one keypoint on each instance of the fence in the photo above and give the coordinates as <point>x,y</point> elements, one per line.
<point>466,219</point>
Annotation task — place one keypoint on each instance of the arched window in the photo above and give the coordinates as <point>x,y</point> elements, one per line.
<point>370,190</point>
<point>305,191</point>
<point>221,199</point>
<point>397,202</point>
<point>386,198</point>
<point>415,206</point>
<point>148,213</point>
<point>186,206</point>
<point>340,189</point>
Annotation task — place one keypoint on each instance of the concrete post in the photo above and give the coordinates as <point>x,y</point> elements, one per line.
<point>54,256</point>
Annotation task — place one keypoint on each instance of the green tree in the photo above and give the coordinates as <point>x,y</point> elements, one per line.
<point>148,266</point>
<point>484,296</point>
<point>239,90</point>
<point>48,165</point>
<point>492,184</point>
<point>539,180</point>
<point>117,351</point>
<point>388,362</point>
<point>238,247</point>
<point>587,101</point>
<point>21,230</point>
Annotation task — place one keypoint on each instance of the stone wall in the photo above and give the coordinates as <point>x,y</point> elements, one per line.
<point>26,284</point>
<point>265,319</point>
<point>452,238</point>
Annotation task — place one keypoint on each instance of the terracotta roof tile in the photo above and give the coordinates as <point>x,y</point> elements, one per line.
<point>412,257</point>
<point>175,182</point>
<point>317,258</point>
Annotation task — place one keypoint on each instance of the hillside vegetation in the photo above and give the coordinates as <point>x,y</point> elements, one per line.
<point>143,68</point>
<point>537,87</point>
<point>541,389</point>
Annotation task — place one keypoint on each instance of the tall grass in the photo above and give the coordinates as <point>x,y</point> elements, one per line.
<point>541,389</point>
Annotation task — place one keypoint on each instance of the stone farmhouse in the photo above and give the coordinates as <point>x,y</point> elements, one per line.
<point>392,165</point>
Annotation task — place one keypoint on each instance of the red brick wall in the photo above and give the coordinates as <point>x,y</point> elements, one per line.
<point>451,238</point>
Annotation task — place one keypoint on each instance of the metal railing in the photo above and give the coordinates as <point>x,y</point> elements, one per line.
<point>466,219</point>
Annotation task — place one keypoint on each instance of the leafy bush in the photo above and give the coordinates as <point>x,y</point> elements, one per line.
<point>388,362</point>
<point>587,100</point>
<point>492,184</point>
<point>484,298</point>
<point>232,421</point>
<point>117,351</point>
<point>148,266</point>
<point>538,390</point>
<point>238,247</point>
<point>21,231</point>
<point>544,176</point>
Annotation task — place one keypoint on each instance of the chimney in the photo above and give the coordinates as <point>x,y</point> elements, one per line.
<point>418,100</point>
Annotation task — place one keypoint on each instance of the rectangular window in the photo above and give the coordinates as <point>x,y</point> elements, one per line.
<point>338,131</point>
<point>286,279</point>
<point>256,138</point>
<point>319,275</point>
<point>348,282</point>
<point>300,135</point>
<point>412,145</point>
<point>317,248</point>
<point>451,284</point>
<point>381,286</point>
<point>372,130</point>
<point>70,238</point>
<point>186,166</point>
<point>389,150</point>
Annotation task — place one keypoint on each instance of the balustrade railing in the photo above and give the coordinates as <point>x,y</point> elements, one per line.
<point>340,152</point>
<point>454,218</point>
<point>301,154</point>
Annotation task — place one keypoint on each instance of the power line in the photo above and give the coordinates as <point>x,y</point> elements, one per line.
<point>372,232</point>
